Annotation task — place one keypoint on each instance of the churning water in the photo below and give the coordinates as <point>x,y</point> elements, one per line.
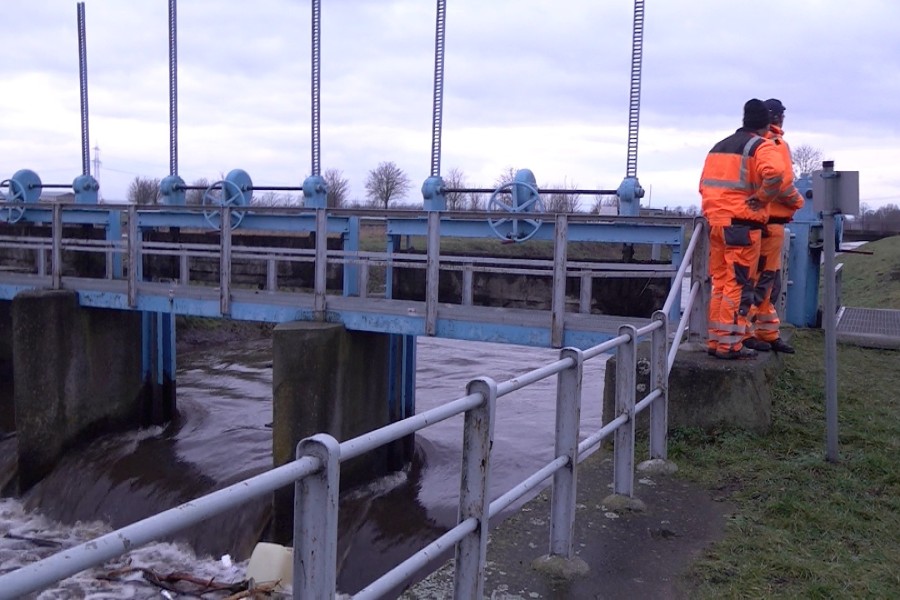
<point>221,436</point>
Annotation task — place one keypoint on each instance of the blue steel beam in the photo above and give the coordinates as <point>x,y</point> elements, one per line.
<point>671,235</point>
<point>301,309</point>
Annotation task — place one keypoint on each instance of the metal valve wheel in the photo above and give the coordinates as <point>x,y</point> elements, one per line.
<point>13,201</point>
<point>514,226</point>
<point>231,195</point>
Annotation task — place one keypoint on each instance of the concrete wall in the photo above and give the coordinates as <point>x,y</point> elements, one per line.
<point>705,391</point>
<point>77,374</point>
<point>7,385</point>
<point>327,379</point>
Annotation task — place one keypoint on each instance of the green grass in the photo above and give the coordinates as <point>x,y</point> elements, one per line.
<point>872,281</point>
<point>803,527</point>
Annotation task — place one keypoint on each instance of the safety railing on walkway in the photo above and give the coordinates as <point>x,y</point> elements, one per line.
<point>316,470</point>
<point>169,259</point>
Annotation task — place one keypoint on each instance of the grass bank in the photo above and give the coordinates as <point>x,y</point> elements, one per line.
<point>872,281</point>
<point>804,528</point>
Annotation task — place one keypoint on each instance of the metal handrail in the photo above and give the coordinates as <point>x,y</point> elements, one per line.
<point>73,560</point>
<point>318,467</point>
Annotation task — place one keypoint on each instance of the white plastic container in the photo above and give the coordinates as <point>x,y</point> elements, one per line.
<point>271,562</point>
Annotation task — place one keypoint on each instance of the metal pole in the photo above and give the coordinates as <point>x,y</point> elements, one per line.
<point>438,104</point>
<point>173,89</point>
<point>321,266</point>
<point>316,520</point>
<point>432,272</point>
<point>82,80</point>
<point>828,316</point>
<point>558,304</point>
<point>568,417</point>
<point>623,449</point>
<point>316,88</point>
<point>659,380</point>
<point>225,262</point>
<point>474,501</point>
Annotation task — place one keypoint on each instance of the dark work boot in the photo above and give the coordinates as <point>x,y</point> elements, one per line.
<point>780,345</point>
<point>758,345</point>
<point>743,353</point>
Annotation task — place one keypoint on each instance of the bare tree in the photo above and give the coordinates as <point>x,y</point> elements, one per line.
<point>605,200</point>
<point>338,188</point>
<point>144,190</point>
<point>806,159</point>
<point>507,175</point>
<point>455,179</point>
<point>386,182</point>
<point>562,201</point>
<point>195,197</point>
<point>477,201</point>
<point>272,198</point>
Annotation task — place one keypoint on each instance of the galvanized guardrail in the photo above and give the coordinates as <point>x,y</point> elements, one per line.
<point>315,473</point>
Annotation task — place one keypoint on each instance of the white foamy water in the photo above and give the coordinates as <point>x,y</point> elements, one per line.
<point>28,537</point>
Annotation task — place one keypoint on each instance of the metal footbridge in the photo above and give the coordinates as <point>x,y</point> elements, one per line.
<point>171,260</point>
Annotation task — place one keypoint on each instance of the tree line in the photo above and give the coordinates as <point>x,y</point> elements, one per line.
<point>386,186</point>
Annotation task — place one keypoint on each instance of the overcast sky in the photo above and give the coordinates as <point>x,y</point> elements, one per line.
<point>535,84</point>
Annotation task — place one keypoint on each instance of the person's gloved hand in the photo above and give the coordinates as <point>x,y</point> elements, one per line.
<point>754,203</point>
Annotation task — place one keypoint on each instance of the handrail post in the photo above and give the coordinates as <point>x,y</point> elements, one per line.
<point>316,519</point>
<point>432,271</point>
<point>560,258</point>
<point>698,325</point>
<point>623,452</point>
<point>225,263</point>
<point>474,501</point>
<point>56,254</point>
<point>351,264</point>
<point>134,255</point>
<point>568,417</point>
<point>659,380</point>
<point>321,268</point>
<point>584,294</point>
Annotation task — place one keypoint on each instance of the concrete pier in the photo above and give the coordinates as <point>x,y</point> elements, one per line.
<point>77,374</point>
<point>326,379</point>
<point>7,384</point>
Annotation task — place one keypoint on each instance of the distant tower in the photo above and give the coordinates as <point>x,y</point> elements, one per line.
<point>96,164</point>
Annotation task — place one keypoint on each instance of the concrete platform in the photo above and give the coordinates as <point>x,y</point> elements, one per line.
<point>869,327</point>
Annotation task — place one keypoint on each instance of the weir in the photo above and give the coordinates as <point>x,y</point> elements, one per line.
<point>109,281</point>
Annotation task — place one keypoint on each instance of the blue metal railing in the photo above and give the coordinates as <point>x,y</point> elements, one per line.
<point>124,284</point>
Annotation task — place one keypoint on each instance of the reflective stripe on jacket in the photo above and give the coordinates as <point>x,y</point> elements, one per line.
<point>789,199</point>
<point>742,165</point>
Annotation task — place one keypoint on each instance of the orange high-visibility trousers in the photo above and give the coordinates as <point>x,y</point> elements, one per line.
<point>764,317</point>
<point>733,260</point>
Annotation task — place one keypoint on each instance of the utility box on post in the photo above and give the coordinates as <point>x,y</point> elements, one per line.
<point>846,192</point>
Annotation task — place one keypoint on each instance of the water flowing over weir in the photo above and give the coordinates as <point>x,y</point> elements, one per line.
<point>222,436</point>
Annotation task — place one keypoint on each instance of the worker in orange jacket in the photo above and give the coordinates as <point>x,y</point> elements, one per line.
<point>742,175</point>
<point>764,319</point>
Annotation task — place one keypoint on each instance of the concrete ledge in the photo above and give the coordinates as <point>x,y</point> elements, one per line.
<point>705,391</point>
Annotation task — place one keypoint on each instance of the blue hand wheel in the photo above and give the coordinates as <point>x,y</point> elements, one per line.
<point>13,207</point>
<point>229,194</point>
<point>512,227</point>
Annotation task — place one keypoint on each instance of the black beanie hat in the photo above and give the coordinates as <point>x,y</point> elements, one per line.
<point>756,115</point>
<point>775,106</point>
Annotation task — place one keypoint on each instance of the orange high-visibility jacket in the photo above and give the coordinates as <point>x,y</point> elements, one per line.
<point>741,166</point>
<point>782,209</point>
